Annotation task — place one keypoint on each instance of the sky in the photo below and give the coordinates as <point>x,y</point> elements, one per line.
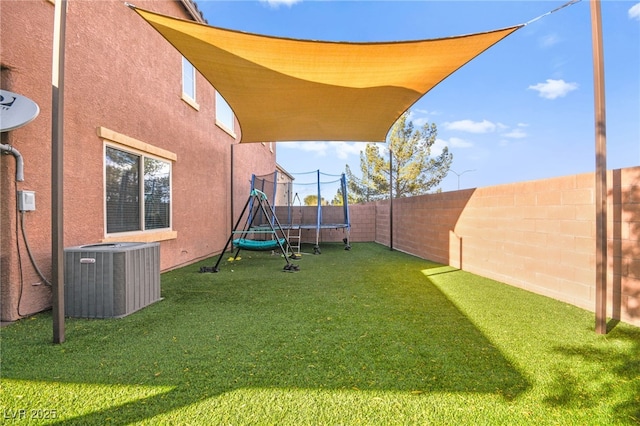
<point>522,110</point>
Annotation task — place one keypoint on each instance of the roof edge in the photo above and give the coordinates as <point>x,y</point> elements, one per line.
<point>193,10</point>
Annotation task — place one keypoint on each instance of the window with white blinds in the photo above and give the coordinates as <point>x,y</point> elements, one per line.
<point>138,191</point>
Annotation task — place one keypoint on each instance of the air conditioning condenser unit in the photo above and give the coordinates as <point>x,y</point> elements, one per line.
<point>110,280</point>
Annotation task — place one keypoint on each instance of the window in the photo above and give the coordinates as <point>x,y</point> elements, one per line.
<point>138,191</point>
<point>188,81</point>
<point>224,115</point>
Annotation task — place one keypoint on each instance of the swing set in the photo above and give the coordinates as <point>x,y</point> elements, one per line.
<point>259,207</point>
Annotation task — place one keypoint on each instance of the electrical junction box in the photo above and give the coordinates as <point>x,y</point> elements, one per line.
<point>26,201</point>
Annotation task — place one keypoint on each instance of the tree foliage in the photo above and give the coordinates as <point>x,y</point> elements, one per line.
<point>338,199</point>
<point>413,169</point>
<point>312,200</point>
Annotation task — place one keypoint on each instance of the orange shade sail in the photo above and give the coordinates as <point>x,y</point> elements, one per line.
<point>284,89</point>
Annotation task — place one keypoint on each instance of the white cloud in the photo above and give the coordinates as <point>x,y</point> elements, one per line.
<point>419,122</point>
<point>549,40</point>
<point>319,148</point>
<point>420,117</point>
<point>345,149</point>
<point>470,126</point>
<point>277,3</point>
<point>426,112</point>
<point>553,89</point>
<point>341,150</point>
<point>515,134</point>
<point>438,146</point>
<point>507,134</point>
<point>460,143</point>
<point>634,12</point>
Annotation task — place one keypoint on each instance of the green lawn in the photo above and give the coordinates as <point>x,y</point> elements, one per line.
<point>366,336</point>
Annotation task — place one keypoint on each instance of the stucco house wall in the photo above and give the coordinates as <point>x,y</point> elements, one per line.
<point>123,86</point>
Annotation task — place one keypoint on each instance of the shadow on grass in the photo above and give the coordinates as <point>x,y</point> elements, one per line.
<point>365,319</point>
<point>576,369</point>
<point>611,373</point>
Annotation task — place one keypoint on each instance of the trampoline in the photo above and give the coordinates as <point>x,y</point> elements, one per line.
<point>312,201</point>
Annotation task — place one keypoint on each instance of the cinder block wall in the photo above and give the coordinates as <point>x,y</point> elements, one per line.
<point>623,230</point>
<point>538,235</point>
<point>308,215</point>
<point>363,222</point>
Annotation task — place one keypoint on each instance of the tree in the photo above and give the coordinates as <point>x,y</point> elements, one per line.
<point>414,170</point>
<point>373,185</point>
<point>337,199</point>
<point>312,200</point>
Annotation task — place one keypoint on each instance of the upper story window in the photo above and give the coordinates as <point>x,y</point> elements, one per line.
<point>189,83</point>
<point>224,115</point>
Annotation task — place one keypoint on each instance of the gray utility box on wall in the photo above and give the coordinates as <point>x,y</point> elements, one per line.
<point>110,280</point>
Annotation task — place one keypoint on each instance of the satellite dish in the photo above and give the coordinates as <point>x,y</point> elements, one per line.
<point>16,110</point>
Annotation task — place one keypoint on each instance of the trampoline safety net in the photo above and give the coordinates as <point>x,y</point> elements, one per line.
<point>312,201</point>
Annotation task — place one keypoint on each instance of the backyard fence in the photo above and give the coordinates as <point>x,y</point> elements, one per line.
<point>536,235</point>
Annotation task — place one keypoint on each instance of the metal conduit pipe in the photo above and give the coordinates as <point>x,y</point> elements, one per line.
<point>8,149</point>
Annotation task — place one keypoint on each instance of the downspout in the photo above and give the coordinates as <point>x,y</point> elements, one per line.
<point>8,149</point>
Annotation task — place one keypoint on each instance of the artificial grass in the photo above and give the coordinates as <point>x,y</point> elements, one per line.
<point>366,336</point>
